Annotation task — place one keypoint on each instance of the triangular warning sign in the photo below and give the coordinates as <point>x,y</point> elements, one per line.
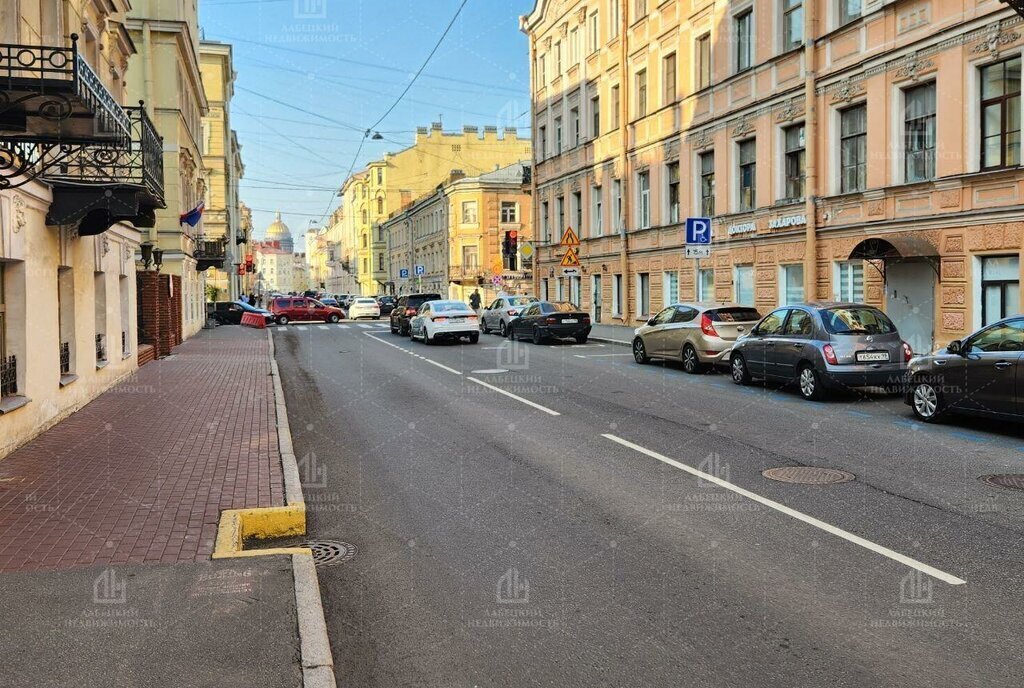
<point>569,238</point>
<point>570,259</point>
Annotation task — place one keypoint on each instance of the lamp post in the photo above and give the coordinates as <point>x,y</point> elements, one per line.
<point>158,258</point>
<point>147,254</point>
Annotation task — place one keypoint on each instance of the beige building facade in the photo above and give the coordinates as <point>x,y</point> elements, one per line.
<point>811,134</point>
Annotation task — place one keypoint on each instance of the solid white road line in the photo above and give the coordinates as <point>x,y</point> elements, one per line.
<point>374,337</point>
<point>782,508</point>
<point>599,355</point>
<point>499,390</point>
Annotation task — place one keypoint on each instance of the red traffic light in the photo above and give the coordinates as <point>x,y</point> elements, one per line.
<point>513,234</point>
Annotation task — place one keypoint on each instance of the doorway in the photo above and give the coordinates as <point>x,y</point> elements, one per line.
<point>595,298</point>
<point>910,302</point>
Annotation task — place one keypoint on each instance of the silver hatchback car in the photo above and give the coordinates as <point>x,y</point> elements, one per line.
<point>698,334</point>
<point>502,311</point>
<point>823,347</point>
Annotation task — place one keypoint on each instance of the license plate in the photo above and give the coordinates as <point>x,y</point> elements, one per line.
<point>458,320</point>
<point>871,356</point>
<point>570,321</point>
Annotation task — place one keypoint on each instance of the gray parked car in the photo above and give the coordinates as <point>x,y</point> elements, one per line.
<point>502,311</point>
<point>698,334</point>
<point>978,376</point>
<point>823,347</point>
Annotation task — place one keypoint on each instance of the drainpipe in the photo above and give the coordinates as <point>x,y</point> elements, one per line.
<point>811,142</point>
<point>147,92</point>
<point>534,201</point>
<point>624,90</point>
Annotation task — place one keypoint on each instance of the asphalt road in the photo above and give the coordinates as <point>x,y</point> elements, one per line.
<point>580,520</point>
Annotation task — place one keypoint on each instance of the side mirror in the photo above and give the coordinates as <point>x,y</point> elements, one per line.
<point>651,321</point>
<point>955,347</point>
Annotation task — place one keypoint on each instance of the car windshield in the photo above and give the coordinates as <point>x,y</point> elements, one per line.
<point>856,320</point>
<point>416,301</point>
<point>448,306</point>
<point>730,315</point>
<point>520,300</point>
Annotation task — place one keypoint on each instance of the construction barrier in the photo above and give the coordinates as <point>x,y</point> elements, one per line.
<point>254,320</point>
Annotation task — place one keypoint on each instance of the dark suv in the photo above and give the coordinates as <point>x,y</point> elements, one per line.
<point>407,307</point>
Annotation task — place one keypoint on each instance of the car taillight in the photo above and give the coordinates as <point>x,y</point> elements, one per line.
<point>550,320</point>
<point>706,326</point>
<point>471,318</point>
<point>440,318</point>
<point>830,354</point>
<point>585,318</point>
<point>512,311</point>
<point>908,353</point>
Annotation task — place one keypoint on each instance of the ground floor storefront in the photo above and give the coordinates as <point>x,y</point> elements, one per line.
<point>936,283</point>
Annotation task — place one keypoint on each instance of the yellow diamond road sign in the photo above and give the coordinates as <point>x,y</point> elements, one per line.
<point>526,250</point>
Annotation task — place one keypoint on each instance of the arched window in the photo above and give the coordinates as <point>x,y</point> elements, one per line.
<point>380,206</point>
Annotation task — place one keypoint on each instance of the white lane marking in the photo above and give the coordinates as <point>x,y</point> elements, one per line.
<point>614,341</point>
<point>374,337</point>
<point>499,390</point>
<point>322,327</point>
<point>490,371</point>
<point>380,324</point>
<point>301,328</point>
<point>492,348</point>
<point>344,327</point>
<point>782,508</point>
<point>364,326</point>
<point>599,355</point>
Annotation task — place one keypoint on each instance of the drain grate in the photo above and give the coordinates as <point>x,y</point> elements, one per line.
<point>330,552</point>
<point>808,475</point>
<point>1009,481</point>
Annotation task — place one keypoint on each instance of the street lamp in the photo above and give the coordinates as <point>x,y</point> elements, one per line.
<point>147,254</point>
<point>158,258</point>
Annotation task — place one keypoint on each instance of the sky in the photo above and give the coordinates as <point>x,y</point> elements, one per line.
<point>313,75</point>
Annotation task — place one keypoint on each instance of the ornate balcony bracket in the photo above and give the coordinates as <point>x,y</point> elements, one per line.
<point>210,253</point>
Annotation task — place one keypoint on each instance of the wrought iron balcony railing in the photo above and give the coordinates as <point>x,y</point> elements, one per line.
<point>471,272</point>
<point>210,253</point>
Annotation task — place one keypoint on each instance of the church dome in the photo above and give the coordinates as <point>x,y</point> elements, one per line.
<point>278,231</point>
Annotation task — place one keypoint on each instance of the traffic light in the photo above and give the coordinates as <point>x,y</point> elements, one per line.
<point>509,248</point>
<point>241,269</point>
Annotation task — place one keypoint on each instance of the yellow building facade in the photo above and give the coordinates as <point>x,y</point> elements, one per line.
<point>809,132</point>
<point>68,236</point>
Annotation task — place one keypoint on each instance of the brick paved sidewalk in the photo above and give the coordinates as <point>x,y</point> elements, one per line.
<point>142,473</point>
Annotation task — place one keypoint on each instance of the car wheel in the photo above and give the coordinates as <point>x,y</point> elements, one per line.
<point>926,400</point>
<point>426,337</point>
<point>333,319</point>
<point>740,374</point>
<point>640,351</point>
<point>810,383</point>
<point>691,362</point>
<point>581,339</point>
<point>537,337</point>
<point>474,338</point>
<point>483,325</point>
<point>282,320</point>
<point>503,329</point>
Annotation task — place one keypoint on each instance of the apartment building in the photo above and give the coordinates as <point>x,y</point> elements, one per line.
<point>810,132</point>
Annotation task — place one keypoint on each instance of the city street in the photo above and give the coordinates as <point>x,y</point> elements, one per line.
<point>559,515</point>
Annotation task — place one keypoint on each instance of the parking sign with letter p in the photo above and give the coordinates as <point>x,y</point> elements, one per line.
<point>698,230</point>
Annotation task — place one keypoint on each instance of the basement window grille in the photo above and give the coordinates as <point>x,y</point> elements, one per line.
<point>101,348</point>
<point>65,358</point>
<point>8,376</point>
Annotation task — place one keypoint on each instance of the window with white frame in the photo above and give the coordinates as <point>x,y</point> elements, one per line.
<point>791,284</point>
<point>574,124</point>
<point>615,107</point>
<point>596,211</point>
<point>746,175</point>
<point>542,69</point>
<point>641,93</point>
<point>703,59</point>
<point>668,76</point>
<point>509,211</point>
<point>639,9</point>
<point>577,211</point>
<point>559,218</point>
<point>849,276</point>
<point>853,148</point>
<point>558,59</point>
<point>919,133</point>
<point>672,192</point>
<point>616,294</point>
<point>542,141</point>
<point>1000,114</point>
<point>574,291</point>
<point>743,284</point>
<point>743,40</point>
<point>792,24</point>
<point>643,294</point>
<point>794,152</point>
<point>669,288</point>
<point>643,214</point>
<point>706,284</point>
<point>1000,288</point>
<point>558,135</point>
<point>614,18</point>
<point>595,36</point>
<point>706,164</point>
<point>574,43</point>
<point>595,115</point>
<point>545,221</point>
<point>848,10</point>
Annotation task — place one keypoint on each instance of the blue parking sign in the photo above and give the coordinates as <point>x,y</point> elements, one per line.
<point>698,230</point>
<point>420,270</point>
<point>403,273</point>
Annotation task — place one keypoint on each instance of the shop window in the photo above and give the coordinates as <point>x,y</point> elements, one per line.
<point>743,285</point>
<point>791,284</point>
<point>1000,288</point>
<point>669,288</point>
<point>643,294</point>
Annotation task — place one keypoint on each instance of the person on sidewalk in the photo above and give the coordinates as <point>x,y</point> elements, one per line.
<point>252,300</point>
<point>474,300</point>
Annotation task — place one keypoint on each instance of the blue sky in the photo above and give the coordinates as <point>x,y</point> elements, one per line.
<point>314,74</point>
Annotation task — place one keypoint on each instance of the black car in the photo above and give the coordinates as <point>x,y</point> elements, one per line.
<point>231,312</point>
<point>544,320</point>
<point>406,308</point>
<point>386,303</point>
<point>977,376</point>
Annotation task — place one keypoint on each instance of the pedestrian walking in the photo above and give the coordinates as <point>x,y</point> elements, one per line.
<point>252,300</point>
<point>474,300</point>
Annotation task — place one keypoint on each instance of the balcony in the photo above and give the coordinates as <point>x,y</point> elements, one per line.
<point>1017,5</point>
<point>459,273</point>
<point>210,253</point>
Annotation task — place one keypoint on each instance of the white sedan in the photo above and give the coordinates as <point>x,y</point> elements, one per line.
<point>364,308</point>
<point>439,319</point>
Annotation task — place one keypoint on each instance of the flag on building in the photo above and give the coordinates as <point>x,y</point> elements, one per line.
<point>192,217</point>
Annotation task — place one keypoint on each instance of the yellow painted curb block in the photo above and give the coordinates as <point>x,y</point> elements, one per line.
<point>238,525</point>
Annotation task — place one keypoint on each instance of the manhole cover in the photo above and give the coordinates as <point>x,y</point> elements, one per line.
<point>808,475</point>
<point>1010,481</point>
<point>330,552</point>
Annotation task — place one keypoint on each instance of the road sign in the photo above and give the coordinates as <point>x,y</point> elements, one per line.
<point>571,272</point>
<point>526,250</point>
<point>698,251</point>
<point>496,280</point>
<point>403,273</point>
<point>570,238</point>
<point>420,270</point>
<point>570,259</point>
<point>698,230</point>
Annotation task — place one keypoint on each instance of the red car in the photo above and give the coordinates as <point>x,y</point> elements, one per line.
<point>288,308</point>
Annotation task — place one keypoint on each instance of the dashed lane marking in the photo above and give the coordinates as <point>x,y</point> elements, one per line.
<point>499,390</point>
<point>374,337</point>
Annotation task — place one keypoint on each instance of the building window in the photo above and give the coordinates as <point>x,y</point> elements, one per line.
<point>558,135</point>
<point>614,17</point>
<point>853,148</point>
<point>616,294</point>
<point>643,294</point>
<point>66,319</point>
<point>596,212</point>
<point>542,69</point>
<point>574,42</point>
<point>595,117</point>
<point>509,211</point>
<point>365,216</point>
<point>848,11</point>
<point>643,185</point>
<point>672,178</point>
<point>575,286</point>
<point>545,221</point>
<point>470,258</point>
<point>1000,114</point>
<point>595,37</point>
<point>542,143</point>
<point>380,176</point>
<point>639,9</point>
<point>577,210</point>
<point>792,24</point>
<point>743,285</point>
<point>706,284</point>
<point>615,107</point>
<point>704,61</point>
<point>669,288</point>
<point>544,289</point>
<point>850,281</point>
<point>380,261</point>
<point>793,140</point>
<point>919,133</point>
<point>743,25</point>
<point>469,212</point>
<point>380,206</point>
<point>559,294</point>
<point>558,59</point>
<point>668,74</point>
<point>791,284</point>
<point>641,93</point>
<point>1000,288</point>
<point>617,204</point>
<point>8,362</point>
<point>574,122</point>
<point>746,171</point>
<point>560,216</point>
<point>707,184</point>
